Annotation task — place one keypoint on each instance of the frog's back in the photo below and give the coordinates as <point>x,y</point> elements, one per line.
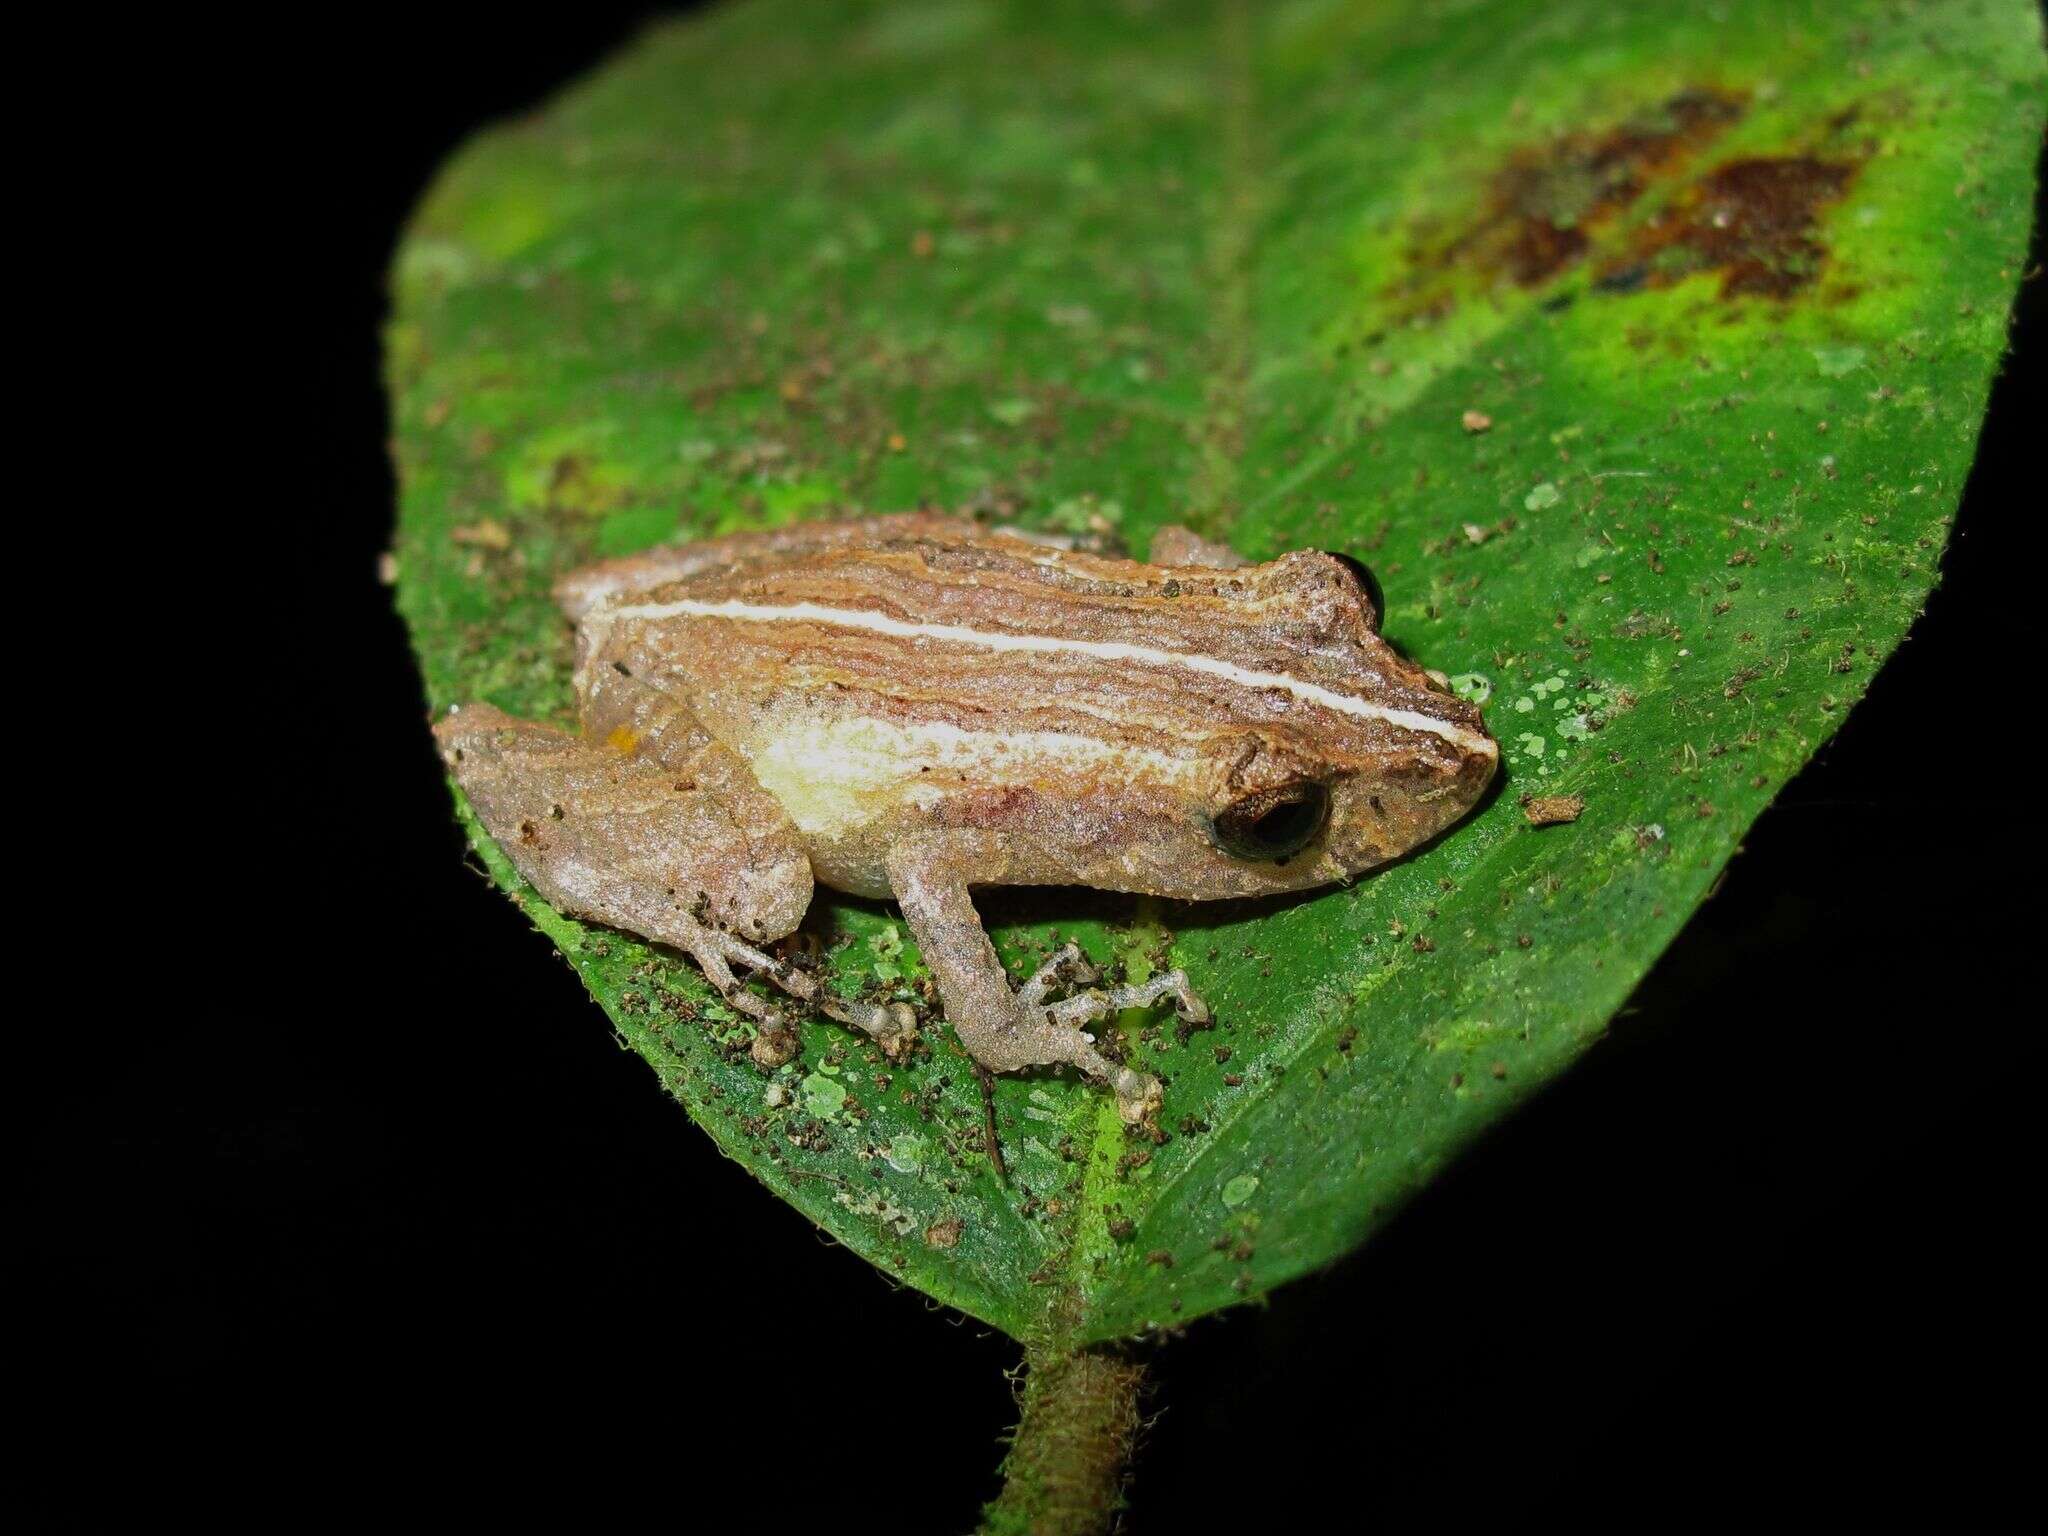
<point>936,617</point>
<point>935,622</point>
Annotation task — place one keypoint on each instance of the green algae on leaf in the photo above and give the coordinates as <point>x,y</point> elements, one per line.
<point>1725,290</point>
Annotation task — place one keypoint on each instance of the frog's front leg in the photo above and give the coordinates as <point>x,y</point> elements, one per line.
<point>679,845</point>
<point>1004,1030</point>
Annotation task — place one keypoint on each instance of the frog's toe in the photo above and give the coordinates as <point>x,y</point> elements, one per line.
<point>1096,1002</point>
<point>1138,1096</point>
<point>1067,966</point>
<point>774,1045</point>
<point>897,1031</point>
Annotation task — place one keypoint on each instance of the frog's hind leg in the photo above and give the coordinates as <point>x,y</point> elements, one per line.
<point>682,847</point>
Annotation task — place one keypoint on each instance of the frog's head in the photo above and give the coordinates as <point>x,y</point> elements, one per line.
<point>1363,758</point>
<point>1295,816</point>
<point>1246,731</point>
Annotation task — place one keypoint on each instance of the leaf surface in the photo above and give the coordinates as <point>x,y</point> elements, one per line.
<point>1640,350</point>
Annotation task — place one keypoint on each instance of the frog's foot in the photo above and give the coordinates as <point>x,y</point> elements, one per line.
<point>1070,966</point>
<point>1067,965</point>
<point>1095,1003</point>
<point>1138,1093</point>
<point>893,1027</point>
<point>774,1037</point>
<point>1039,1036</point>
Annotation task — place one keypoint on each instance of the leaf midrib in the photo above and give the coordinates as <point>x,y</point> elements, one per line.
<point>1212,487</point>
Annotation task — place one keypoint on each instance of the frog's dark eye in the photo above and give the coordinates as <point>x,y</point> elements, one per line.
<point>1367,580</point>
<point>1275,823</point>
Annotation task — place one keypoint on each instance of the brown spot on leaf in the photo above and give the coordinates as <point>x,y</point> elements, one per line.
<point>1752,220</point>
<point>1544,207</point>
<point>1570,203</point>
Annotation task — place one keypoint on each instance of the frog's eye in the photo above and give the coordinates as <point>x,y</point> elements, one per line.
<point>1275,823</point>
<point>1367,580</point>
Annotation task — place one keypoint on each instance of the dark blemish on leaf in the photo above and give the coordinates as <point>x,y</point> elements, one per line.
<point>1624,279</point>
<point>1543,208</point>
<point>1751,220</point>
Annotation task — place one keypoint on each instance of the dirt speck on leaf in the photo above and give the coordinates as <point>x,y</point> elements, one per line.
<point>1552,810</point>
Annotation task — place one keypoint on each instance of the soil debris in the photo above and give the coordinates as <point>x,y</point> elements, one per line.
<point>1553,810</point>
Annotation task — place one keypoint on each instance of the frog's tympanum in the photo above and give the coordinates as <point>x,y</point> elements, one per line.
<point>911,706</point>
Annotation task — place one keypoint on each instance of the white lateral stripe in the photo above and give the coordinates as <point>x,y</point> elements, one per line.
<point>1105,650</point>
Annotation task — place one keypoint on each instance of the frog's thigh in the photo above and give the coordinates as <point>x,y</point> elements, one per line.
<point>660,848</point>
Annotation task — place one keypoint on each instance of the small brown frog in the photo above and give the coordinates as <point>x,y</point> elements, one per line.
<point>912,706</point>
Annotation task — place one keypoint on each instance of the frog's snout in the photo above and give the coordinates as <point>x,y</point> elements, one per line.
<point>1475,774</point>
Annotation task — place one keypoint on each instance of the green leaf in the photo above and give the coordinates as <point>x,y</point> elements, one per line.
<point>1641,350</point>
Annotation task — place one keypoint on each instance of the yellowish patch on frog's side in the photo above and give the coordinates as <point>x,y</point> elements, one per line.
<point>832,776</point>
<point>623,739</point>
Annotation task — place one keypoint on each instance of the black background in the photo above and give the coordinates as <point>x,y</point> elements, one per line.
<point>1761,1255</point>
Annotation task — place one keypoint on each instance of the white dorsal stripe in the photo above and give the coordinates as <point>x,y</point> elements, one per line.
<point>1104,650</point>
